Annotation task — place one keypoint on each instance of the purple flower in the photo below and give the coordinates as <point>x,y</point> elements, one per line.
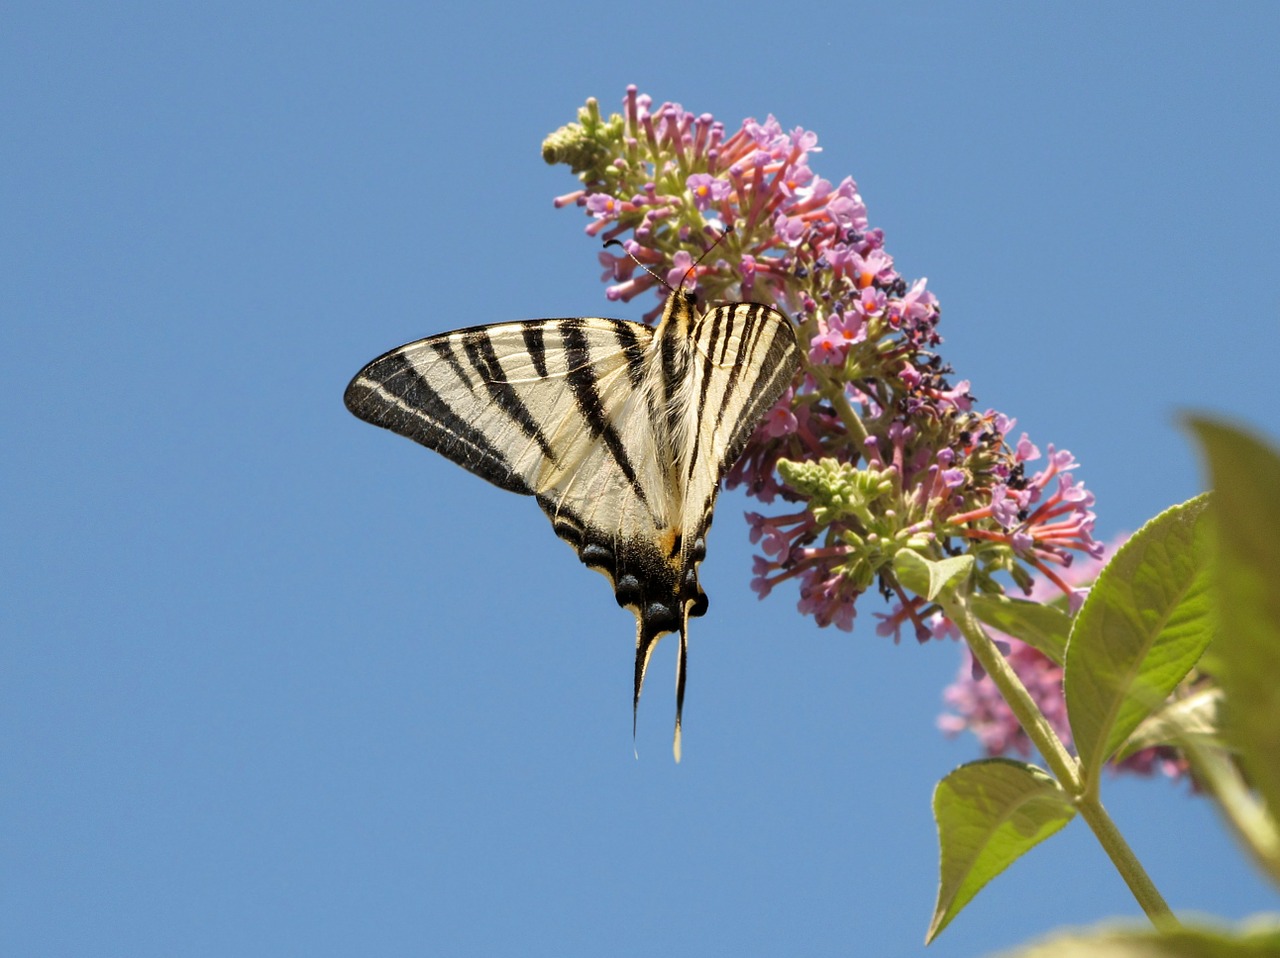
<point>799,183</point>
<point>918,304</point>
<point>1004,505</point>
<point>975,705</point>
<point>827,600</point>
<point>852,326</point>
<point>1027,450</point>
<point>871,302</point>
<point>602,206</point>
<point>747,270</point>
<point>681,263</point>
<point>767,136</point>
<point>760,583</point>
<point>835,335</point>
<point>790,229</point>
<point>707,189</point>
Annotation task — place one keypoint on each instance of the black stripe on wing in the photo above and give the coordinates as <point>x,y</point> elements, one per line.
<point>674,332</point>
<point>581,377</point>
<point>390,392</point>
<point>762,369</point>
<point>531,332</point>
<point>633,349</point>
<point>776,354</point>
<point>479,349</point>
<point>722,326</point>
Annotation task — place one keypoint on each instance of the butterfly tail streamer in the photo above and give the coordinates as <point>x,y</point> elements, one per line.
<point>681,672</point>
<point>646,640</point>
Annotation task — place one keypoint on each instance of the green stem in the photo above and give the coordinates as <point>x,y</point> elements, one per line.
<point>833,391</point>
<point>1126,862</point>
<point>1064,767</point>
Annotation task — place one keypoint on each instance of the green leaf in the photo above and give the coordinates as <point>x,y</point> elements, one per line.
<point>1144,625</point>
<point>1245,475</point>
<point>1262,941</point>
<point>1043,627</point>
<point>1196,718</point>
<point>929,577</point>
<point>912,570</point>
<point>989,814</point>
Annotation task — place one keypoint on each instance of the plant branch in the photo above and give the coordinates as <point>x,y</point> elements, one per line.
<point>1063,765</point>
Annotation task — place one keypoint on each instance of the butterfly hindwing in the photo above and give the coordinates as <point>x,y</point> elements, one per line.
<point>621,432</point>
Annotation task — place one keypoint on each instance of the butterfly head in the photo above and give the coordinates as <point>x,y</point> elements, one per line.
<point>680,312</point>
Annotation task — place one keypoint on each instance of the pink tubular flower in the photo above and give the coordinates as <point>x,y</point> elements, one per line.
<point>780,420</point>
<point>977,706</point>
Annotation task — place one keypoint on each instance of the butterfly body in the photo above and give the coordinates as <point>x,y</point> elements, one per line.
<point>621,432</point>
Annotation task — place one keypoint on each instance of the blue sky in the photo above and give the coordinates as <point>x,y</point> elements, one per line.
<point>275,682</point>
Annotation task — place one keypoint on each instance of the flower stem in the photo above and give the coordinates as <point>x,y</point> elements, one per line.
<point>1064,767</point>
<point>834,393</point>
<point>1126,862</point>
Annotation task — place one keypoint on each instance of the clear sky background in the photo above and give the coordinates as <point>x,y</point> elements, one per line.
<point>274,682</point>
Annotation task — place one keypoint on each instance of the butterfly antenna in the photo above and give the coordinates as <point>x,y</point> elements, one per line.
<point>622,246</point>
<point>691,270</point>
<point>707,252</point>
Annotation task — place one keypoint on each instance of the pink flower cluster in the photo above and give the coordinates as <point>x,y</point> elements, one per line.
<point>895,454</point>
<point>875,448</point>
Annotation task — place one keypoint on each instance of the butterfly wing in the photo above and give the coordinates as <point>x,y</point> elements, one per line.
<point>494,398</point>
<point>560,410</point>
<point>621,433</point>
<point>743,356</point>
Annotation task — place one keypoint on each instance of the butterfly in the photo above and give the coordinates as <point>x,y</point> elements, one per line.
<point>620,431</point>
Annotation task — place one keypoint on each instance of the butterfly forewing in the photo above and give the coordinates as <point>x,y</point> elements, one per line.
<point>622,433</point>
<point>495,399</point>
<point>744,358</point>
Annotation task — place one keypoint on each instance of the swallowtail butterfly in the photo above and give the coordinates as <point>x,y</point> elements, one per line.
<point>620,431</point>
